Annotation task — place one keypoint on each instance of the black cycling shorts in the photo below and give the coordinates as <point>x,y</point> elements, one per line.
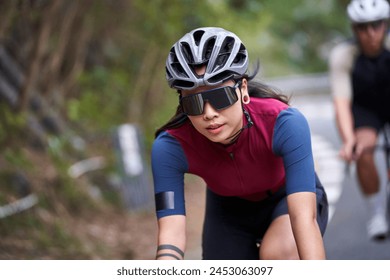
<point>233,226</point>
<point>364,117</point>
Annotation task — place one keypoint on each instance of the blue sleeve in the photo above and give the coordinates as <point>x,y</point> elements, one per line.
<point>292,141</point>
<point>169,165</point>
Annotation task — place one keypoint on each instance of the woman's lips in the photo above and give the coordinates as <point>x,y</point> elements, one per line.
<point>215,128</point>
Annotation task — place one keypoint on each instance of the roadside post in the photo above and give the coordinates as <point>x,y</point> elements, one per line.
<point>136,188</point>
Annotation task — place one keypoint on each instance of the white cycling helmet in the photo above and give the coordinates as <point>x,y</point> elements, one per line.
<point>222,51</point>
<point>360,11</point>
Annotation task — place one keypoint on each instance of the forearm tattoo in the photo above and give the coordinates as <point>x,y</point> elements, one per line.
<point>172,248</point>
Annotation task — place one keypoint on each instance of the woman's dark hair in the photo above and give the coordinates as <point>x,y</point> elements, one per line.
<point>255,89</point>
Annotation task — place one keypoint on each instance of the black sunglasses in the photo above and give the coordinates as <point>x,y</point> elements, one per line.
<point>375,25</point>
<point>220,98</point>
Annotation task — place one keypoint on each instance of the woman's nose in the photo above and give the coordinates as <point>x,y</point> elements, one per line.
<point>209,112</point>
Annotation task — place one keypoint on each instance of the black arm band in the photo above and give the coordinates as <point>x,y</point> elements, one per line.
<point>168,255</point>
<point>170,247</point>
<point>165,200</point>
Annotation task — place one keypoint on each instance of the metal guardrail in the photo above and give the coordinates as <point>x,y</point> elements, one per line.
<point>21,187</point>
<point>87,165</point>
<point>18,206</point>
<point>11,78</point>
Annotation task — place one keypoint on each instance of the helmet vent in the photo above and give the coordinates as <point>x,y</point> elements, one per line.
<point>169,75</point>
<point>208,49</point>
<point>179,70</point>
<point>227,45</point>
<point>183,84</point>
<point>172,57</point>
<point>186,50</point>
<point>241,56</point>
<point>223,76</point>
<point>224,53</point>
<point>198,36</point>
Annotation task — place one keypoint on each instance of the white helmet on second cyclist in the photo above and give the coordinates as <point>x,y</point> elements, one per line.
<point>222,51</point>
<point>360,11</point>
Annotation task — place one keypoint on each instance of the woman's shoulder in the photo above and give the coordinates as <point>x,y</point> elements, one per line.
<point>291,127</point>
<point>175,138</point>
<point>164,140</point>
<point>167,150</point>
<point>293,115</point>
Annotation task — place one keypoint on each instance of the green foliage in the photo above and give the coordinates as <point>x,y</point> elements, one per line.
<point>46,239</point>
<point>17,224</point>
<point>15,157</point>
<point>76,199</point>
<point>103,99</point>
<point>12,124</point>
<point>299,35</point>
<point>59,237</point>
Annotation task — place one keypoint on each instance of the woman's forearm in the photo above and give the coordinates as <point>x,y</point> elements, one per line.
<point>302,210</point>
<point>171,238</point>
<point>309,241</point>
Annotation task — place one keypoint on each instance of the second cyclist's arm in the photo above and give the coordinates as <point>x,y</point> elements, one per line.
<point>344,121</point>
<point>340,65</point>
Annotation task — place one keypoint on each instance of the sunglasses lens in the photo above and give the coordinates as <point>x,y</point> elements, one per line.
<point>223,98</point>
<point>220,98</point>
<point>192,105</point>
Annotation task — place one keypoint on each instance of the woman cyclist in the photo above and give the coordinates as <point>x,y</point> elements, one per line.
<point>252,150</point>
<point>359,74</point>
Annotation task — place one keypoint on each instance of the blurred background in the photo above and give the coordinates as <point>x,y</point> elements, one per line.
<point>82,90</point>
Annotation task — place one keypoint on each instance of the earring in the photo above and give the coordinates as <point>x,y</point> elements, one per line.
<point>245,99</point>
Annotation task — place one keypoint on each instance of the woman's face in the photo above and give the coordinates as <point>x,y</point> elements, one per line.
<point>218,126</point>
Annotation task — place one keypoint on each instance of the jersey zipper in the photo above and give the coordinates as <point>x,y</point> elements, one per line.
<point>232,157</point>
